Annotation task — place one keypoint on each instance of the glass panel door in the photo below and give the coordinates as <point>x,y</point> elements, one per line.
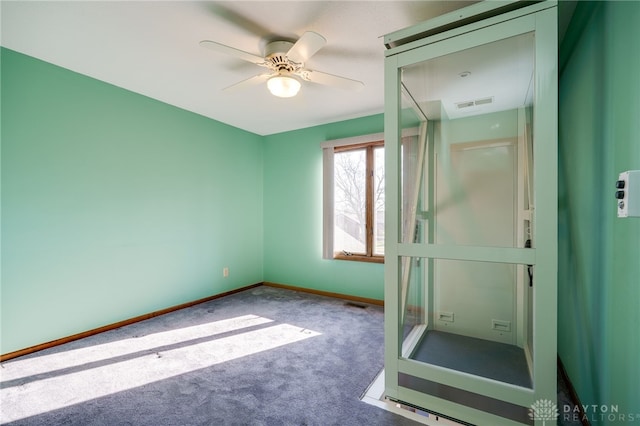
<point>476,101</point>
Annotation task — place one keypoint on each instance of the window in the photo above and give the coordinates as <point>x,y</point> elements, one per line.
<point>354,200</point>
<point>358,204</point>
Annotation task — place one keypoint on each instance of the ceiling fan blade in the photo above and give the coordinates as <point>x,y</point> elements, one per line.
<point>251,81</point>
<point>306,47</point>
<point>330,80</point>
<point>241,54</point>
<point>226,11</point>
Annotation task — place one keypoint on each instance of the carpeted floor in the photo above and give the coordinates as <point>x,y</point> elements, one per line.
<point>264,356</point>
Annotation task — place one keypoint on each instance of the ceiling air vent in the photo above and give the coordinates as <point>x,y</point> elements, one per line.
<point>461,105</point>
<point>477,102</point>
<point>483,101</point>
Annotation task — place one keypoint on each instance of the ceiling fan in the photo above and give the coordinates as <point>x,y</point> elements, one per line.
<point>286,63</point>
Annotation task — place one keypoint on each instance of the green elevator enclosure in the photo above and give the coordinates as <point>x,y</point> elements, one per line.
<point>471,214</point>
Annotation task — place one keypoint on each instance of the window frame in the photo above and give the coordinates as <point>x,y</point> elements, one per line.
<point>329,147</point>
<point>369,255</point>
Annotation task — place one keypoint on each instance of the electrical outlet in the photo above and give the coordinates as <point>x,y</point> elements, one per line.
<point>446,316</point>
<point>225,272</point>
<point>501,325</point>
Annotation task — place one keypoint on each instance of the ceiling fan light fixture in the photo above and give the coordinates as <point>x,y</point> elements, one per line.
<point>283,86</point>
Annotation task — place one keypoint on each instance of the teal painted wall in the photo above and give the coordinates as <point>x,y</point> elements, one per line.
<point>293,213</point>
<point>599,254</point>
<point>116,205</point>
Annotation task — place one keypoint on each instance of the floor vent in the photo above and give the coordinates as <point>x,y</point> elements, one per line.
<point>356,305</point>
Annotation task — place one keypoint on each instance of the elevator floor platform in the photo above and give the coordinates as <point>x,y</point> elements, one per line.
<point>498,361</point>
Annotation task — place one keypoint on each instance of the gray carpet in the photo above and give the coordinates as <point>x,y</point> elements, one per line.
<point>265,356</point>
<point>285,358</point>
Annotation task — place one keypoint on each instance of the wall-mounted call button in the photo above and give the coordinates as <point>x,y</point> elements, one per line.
<point>628,193</point>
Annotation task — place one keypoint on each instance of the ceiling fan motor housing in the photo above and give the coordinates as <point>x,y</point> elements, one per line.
<point>276,55</point>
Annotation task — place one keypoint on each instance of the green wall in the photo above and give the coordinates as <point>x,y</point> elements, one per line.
<point>293,213</point>
<point>599,254</point>
<point>116,205</point>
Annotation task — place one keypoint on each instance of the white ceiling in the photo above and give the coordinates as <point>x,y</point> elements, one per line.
<point>151,48</point>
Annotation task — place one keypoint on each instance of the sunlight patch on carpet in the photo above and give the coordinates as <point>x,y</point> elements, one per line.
<point>44,364</point>
<point>24,394</point>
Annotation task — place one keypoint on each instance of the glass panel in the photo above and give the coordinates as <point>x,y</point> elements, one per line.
<point>472,317</point>
<point>378,201</point>
<point>412,156</point>
<point>350,201</point>
<point>475,195</point>
<point>478,103</point>
<point>413,166</point>
<point>414,301</point>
